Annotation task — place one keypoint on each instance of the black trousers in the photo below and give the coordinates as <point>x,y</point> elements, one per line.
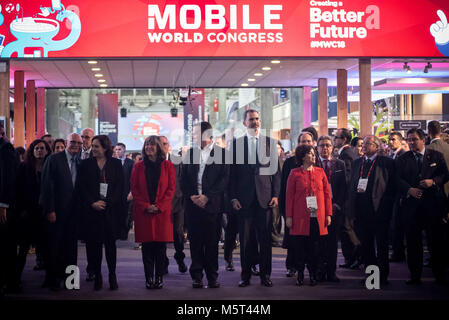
<point>231,231</point>
<point>8,253</point>
<point>348,237</point>
<point>287,243</point>
<point>276,226</point>
<point>94,250</point>
<point>204,232</point>
<point>255,233</point>
<point>307,249</point>
<point>374,241</point>
<point>178,235</point>
<point>330,246</point>
<point>153,257</point>
<point>413,232</point>
<point>62,249</point>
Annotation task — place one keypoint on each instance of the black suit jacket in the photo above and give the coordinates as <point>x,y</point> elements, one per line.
<point>214,180</point>
<point>8,170</point>
<point>338,182</point>
<point>289,165</point>
<point>57,189</point>
<point>260,180</point>
<point>178,199</point>
<point>408,176</point>
<point>383,192</point>
<point>348,155</point>
<point>127,169</point>
<point>100,225</point>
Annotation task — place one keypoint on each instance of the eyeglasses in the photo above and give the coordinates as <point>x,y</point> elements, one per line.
<point>325,145</point>
<point>85,137</point>
<point>75,142</point>
<point>339,137</point>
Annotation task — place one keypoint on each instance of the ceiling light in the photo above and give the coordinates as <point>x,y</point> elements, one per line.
<point>98,75</point>
<point>244,84</point>
<point>101,80</point>
<point>92,62</point>
<point>95,69</point>
<point>275,61</point>
<point>251,80</point>
<point>258,74</point>
<point>266,68</point>
<point>103,85</point>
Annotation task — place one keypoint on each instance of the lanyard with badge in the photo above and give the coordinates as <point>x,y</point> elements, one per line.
<point>311,201</point>
<point>363,183</point>
<point>103,187</point>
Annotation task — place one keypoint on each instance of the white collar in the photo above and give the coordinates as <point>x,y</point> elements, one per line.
<point>421,152</point>
<point>371,158</point>
<point>208,148</point>
<point>397,150</point>
<point>69,156</point>
<point>87,151</point>
<point>342,148</point>
<point>322,159</point>
<point>257,136</point>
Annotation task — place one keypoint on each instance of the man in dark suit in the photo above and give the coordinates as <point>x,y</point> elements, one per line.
<point>8,249</point>
<point>59,201</point>
<point>205,178</point>
<point>254,191</point>
<point>350,243</point>
<point>372,196</point>
<point>305,138</point>
<point>127,164</point>
<point>434,131</point>
<point>421,175</point>
<point>177,209</point>
<point>335,173</point>
<point>398,233</point>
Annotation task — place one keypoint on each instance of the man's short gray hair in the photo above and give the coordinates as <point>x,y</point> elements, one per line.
<point>324,137</point>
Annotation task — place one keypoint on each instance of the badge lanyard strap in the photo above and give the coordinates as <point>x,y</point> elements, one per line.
<point>369,172</point>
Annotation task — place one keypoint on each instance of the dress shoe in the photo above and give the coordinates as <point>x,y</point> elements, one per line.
<point>98,282</point>
<point>113,285</point>
<point>332,278</point>
<point>413,282</point>
<point>230,266</point>
<point>290,273</point>
<point>158,283</point>
<point>356,265</point>
<point>300,279</point>
<point>182,267</point>
<point>90,277</point>
<point>244,283</point>
<point>266,282</point>
<point>149,283</point>
<point>213,284</point>
<point>254,271</point>
<point>313,281</point>
<point>197,284</point>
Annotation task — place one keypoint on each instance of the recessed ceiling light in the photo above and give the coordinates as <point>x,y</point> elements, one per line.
<point>98,75</point>
<point>103,85</point>
<point>275,61</point>
<point>258,74</point>
<point>244,84</point>
<point>101,80</point>
<point>251,80</point>
<point>92,62</point>
<point>266,68</point>
<point>95,69</point>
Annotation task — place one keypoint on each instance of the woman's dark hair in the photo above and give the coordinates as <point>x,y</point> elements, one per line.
<point>29,154</point>
<point>59,140</point>
<point>355,141</point>
<point>312,131</point>
<point>160,154</point>
<point>105,143</point>
<point>301,152</point>
<point>19,151</point>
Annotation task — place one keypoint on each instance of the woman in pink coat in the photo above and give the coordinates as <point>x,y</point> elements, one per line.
<point>153,186</point>
<point>308,211</point>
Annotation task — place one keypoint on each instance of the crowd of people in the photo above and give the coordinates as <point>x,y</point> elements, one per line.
<point>365,193</point>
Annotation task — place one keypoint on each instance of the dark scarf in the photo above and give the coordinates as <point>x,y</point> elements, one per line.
<point>152,176</point>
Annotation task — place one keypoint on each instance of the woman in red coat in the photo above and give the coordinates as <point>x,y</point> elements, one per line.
<point>308,211</point>
<point>153,186</point>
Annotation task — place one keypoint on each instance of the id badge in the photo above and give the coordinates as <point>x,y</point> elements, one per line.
<point>103,190</point>
<point>312,204</point>
<point>363,183</point>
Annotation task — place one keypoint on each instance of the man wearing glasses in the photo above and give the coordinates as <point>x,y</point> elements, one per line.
<point>371,197</point>
<point>60,207</point>
<point>350,244</point>
<point>335,173</point>
<point>87,135</point>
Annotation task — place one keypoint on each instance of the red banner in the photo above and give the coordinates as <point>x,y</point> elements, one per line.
<point>224,28</point>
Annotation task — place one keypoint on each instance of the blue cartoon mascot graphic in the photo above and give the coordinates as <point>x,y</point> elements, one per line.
<point>38,32</point>
<point>440,31</point>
